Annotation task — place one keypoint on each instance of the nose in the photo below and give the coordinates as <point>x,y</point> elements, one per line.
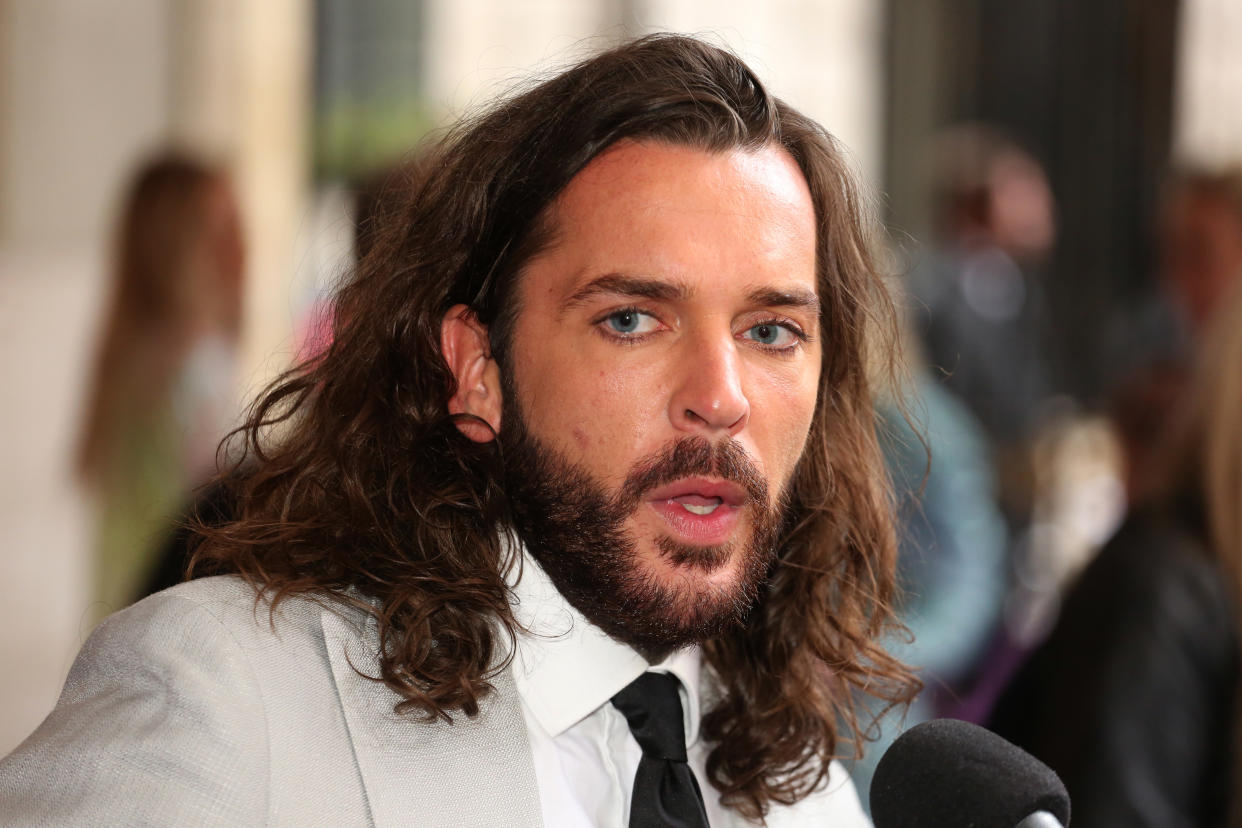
<point>709,399</point>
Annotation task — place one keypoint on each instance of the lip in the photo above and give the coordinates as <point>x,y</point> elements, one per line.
<point>703,530</point>
<point>730,493</point>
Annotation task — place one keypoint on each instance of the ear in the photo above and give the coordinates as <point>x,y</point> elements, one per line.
<point>463,340</point>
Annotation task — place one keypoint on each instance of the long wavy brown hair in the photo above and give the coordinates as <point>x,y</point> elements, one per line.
<point>359,481</point>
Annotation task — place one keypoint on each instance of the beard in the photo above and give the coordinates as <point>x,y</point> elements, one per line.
<point>575,528</point>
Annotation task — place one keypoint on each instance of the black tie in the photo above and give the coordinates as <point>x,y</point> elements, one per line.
<point>666,794</point>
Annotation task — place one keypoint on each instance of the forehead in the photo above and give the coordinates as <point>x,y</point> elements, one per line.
<point>670,211</point>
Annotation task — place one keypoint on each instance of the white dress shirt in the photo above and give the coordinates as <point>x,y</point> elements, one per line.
<point>567,670</point>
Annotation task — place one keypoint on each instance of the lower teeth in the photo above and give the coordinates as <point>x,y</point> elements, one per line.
<point>700,510</point>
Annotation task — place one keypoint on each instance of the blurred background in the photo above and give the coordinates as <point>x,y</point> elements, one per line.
<point>1057,178</point>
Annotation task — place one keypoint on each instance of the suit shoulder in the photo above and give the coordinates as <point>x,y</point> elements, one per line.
<point>240,610</point>
<point>161,714</point>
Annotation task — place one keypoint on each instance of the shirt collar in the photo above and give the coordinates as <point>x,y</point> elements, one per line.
<point>565,667</point>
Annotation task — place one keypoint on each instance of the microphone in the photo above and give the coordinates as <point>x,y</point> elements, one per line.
<point>947,773</point>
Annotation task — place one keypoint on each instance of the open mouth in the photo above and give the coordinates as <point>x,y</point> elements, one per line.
<point>699,510</point>
<point>697,504</point>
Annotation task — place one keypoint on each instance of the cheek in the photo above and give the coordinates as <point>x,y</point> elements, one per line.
<point>598,416</point>
<point>783,415</point>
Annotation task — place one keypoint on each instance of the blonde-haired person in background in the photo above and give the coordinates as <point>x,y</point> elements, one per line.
<point>1133,698</point>
<point>163,386</point>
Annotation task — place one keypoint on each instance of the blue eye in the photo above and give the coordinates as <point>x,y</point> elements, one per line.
<point>771,334</point>
<point>630,321</point>
<point>623,322</point>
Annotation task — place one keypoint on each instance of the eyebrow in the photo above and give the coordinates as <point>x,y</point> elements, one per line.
<point>792,298</point>
<point>660,290</point>
<point>617,283</point>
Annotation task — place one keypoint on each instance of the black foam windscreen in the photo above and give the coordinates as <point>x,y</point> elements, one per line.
<point>952,774</point>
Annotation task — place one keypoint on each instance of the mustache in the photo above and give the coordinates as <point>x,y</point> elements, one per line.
<point>690,456</point>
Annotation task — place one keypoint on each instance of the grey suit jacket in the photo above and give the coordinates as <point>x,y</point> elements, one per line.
<point>193,708</point>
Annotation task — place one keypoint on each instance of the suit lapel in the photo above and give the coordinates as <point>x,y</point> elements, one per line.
<point>473,772</point>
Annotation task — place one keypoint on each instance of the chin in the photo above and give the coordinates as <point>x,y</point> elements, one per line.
<point>691,612</point>
<point>677,594</point>
<point>718,566</point>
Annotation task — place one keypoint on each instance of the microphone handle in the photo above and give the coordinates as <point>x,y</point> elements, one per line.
<point>1040,819</point>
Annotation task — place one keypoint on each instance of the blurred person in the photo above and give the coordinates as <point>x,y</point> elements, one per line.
<point>1202,243</point>
<point>982,315</point>
<point>952,556</point>
<point>378,200</point>
<point>163,390</point>
<point>1133,699</point>
<point>1200,233</point>
<point>580,519</point>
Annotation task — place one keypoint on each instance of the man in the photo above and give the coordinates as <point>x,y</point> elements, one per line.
<point>579,521</point>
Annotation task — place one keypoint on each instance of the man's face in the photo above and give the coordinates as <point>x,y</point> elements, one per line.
<point>664,366</point>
